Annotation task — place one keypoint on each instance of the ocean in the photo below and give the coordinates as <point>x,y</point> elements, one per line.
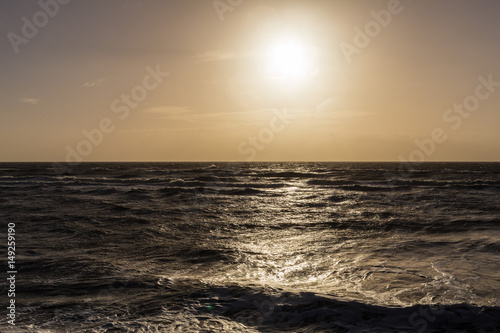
<point>251,247</point>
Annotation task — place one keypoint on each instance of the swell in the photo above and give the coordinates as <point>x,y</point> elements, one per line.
<point>388,222</point>
<point>167,304</point>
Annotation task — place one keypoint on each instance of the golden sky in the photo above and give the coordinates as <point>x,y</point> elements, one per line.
<point>249,80</point>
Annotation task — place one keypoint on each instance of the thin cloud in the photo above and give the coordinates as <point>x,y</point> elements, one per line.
<point>213,56</point>
<point>168,110</point>
<point>94,83</point>
<point>30,101</point>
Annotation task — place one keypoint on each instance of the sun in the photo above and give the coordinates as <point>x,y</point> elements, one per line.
<point>289,58</point>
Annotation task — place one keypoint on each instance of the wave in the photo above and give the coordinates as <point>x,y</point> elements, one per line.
<point>216,179</point>
<point>387,221</point>
<point>288,174</point>
<point>327,182</point>
<point>171,304</point>
<point>245,191</point>
<point>104,190</point>
<point>275,310</point>
<point>363,188</point>
<point>139,194</point>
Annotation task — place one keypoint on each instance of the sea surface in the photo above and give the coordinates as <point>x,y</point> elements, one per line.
<point>253,247</point>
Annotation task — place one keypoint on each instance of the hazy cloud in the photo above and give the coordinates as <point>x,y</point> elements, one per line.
<point>212,56</point>
<point>94,83</point>
<point>30,101</point>
<point>168,110</point>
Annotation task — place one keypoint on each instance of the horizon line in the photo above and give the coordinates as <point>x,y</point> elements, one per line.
<point>260,161</point>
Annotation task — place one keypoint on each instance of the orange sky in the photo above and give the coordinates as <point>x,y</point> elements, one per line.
<point>203,80</point>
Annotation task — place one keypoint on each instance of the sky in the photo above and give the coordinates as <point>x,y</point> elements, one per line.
<point>249,80</point>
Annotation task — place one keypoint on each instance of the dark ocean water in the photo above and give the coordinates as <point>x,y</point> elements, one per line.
<point>253,247</point>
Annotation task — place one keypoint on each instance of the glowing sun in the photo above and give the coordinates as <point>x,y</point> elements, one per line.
<point>289,59</point>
